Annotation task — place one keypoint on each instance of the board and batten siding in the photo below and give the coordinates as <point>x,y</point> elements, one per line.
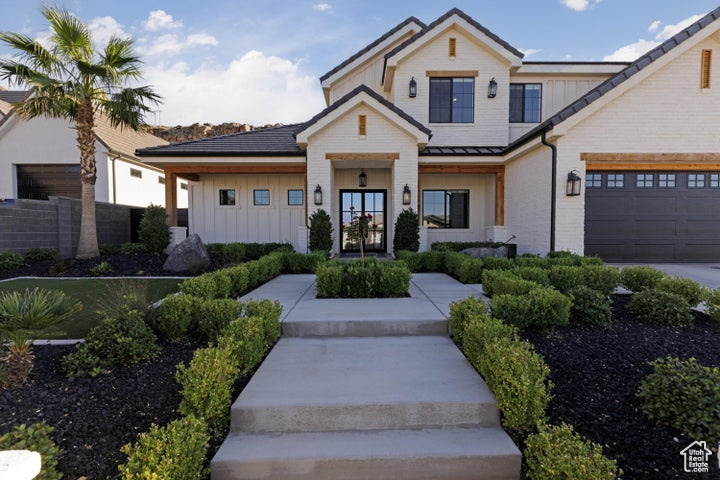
<point>245,222</point>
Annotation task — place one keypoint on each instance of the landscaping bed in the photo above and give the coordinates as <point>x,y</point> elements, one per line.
<point>596,373</point>
<point>122,265</point>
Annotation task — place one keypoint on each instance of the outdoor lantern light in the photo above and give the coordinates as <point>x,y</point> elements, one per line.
<point>318,195</point>
<point>363,179</point>
<point>492,88</point>
<point>412,92</point>
<point>406,195</point>
<point>573,184</point>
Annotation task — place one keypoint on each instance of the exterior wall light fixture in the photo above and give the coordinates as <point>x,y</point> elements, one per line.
<point>318,195</point>
<point>492,88</point>
<point>406,195</point>
<point>573,184</point>
<point>412,89</point>
<point>362,179</point>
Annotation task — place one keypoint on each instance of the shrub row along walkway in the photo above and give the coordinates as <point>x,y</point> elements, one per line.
<point>366,388</point>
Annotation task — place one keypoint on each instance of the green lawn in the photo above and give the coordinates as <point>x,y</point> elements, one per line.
<point>93,294</point>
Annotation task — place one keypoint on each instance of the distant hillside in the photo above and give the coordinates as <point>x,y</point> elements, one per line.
<point>197,131</point>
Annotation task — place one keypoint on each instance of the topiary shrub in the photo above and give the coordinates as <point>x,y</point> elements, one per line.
<point>177,315</point>
<point>538,308</point>
<point>463,312</point>
<point>683,395</point>
<point>270,311</point>
<point>532,261</point>
<point>218,284</point>
<point>498,263</point>
<point>557,452</point>
<point>407,231</point>
<point>39,254</point>
<point>294,262</point>
<point>412,259</point>
<point>116,341</point>
<point>393,279</point>
<point>245,339</point>
<point>329,279</point>
<point>533,274</point>
<point>206,385</point>
<point>463,267</point>
<point>589,307</point>
<point>656,306</point>
<point>505,282</point>
<point>601,278</point>
<point>693,293</point>
<point>215,315</point>
<point>11,260</point>
<point>36,438</point>
<point>637,279</point>
<point>565,277</point>
<point>239,279</point>
<point>176,451</point>
<point>432,261</point>
<point>482,329</point>
<point>154,231</point>
<point>360,278</point>
<point>320,226</point>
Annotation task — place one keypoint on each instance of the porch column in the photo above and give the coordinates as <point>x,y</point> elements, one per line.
<point>500,198</point>
<point>171,197</point>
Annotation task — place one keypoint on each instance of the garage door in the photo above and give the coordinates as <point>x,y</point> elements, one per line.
<point>653,216</point>
<point>38,182</point>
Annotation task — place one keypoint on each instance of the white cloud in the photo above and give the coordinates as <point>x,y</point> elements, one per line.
<point>254,88</point>
<point>580,5</point>
<point>632,51</point>
<point>201,39</point>
<point>654,26</point>
<point>161,20</point>
<point>102,28</point>
<point>669,30</point>
<point>172,44</point>
<point>530,51</point>
<point>322,7</point>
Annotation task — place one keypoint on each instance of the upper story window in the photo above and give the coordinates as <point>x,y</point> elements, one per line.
<point>452,100</point>
<point>525,102</point>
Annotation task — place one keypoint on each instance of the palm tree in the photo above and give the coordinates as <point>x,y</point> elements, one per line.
<point>72,80</point>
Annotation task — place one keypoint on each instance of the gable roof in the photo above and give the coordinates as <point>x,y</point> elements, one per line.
<point>123,141</point>
<point>274,141</point>
<point>365,89</point>
<point>635,67</point>
<point>372,45</point>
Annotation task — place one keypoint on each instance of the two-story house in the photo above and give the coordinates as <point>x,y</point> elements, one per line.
<point>618,159</point>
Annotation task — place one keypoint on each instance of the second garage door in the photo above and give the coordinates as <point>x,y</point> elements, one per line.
<point>653,216</point>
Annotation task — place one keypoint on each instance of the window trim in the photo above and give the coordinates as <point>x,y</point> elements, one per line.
<point>715,180</point>
<point>446,209</point>
<point>666,180</point>
<point>590,179</point>
<point>616,177</point>
<point>641,180</point>
<point>220,197</point>
<point>269,200</point>
<point>697,176</point>
<point>136,173</point>
<point>302,197</point>
<point>452,79</point>
<point>705,68</point>
<point>524,99</point>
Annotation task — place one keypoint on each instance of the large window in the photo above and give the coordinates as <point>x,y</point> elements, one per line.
<point>525,102</point>
<point>446,208</point>
<point>452,100</point>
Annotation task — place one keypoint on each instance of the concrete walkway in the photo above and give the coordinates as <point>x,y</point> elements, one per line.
<point>366,388</point>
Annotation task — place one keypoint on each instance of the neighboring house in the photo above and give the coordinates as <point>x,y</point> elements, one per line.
<point>39,158</point>
<point>485,144</point>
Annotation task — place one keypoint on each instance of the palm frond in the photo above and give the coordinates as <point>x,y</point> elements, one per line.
<point>47,105</point>
<point>128,107</point>
<point>33,52</point>
<point>71,37</point>
<point>119,56</point>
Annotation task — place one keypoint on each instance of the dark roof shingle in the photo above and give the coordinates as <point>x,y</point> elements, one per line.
<point>13,96</point>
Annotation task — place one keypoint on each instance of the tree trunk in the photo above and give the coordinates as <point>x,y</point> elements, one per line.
<point>88,243</point>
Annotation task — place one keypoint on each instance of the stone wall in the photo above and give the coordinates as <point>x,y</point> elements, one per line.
<point>196,130</point>
<point>55,223</point>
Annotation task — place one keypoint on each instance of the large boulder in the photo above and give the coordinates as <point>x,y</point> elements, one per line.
<point>189,255</point>
<point>481,252</point>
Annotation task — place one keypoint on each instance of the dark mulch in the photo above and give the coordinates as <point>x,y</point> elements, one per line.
<point>136,264</point>
<point>597,371</point>
<point>94,416</point>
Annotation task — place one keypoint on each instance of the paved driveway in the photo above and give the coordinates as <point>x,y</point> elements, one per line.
<point>707,274</point>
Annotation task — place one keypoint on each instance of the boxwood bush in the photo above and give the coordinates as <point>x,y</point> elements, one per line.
<point>637,279</point>
<point>412,259</point>
<point>533,274</point>
<point>505,282</point>
<point>244,338</point>
<point>218,284</point>
<point>538,308</point>
<point>656,306</point>
<point>329,279</point>
<point>39,254</point>
<point>270,311</point>
<point>357,280</point>
<point>601,278</point>
<point>36,438</point>
<point>713,304</point>
<point>557,452</point>
<point>565,277</point>
<point>532,261</point>
<point>177,316</point>
<point>214,315</point>
<point>11,260</point>
<point>393,279</point>
<point>693,293</point>
<point>589,307</point>
<point>683,395</point>
<point>498,263</point>
<point>462,313</point>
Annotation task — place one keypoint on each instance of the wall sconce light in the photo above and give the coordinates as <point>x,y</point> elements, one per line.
<point>406,195</point>
<point>492,88</point>
<point>412,89</point>
<point>573,184</point>
<point>318,195</point>
<point>362,179</point>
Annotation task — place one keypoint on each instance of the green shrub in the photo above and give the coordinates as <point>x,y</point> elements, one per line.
<point>206,385</point>
<point>270,311</point>
<point>462,313</point>
<point>11,260</point>
<point>320,226</point>
<point>294,262</point>
<point>482,329</point>
<point>39,254</point>
<point>37,439</point>
<point>538,308</point>
<point>215,315</point>
<point>115,341</point>
<point>393,279</point>
<point>558,453</point>
<point>637,279</point>
<point>239,279</point>
<point>329,279</point>
<point>713,304</point>
<point>531,261</point>
<point>683,395</point>
<point>407,231</point>
<point>465,268</point>
<point>263,269</point>
<point>412,259</point>
<point>218,284</point>
<point>460,246</point>
<point>565,277</point>
<point>177,315</point>
<point>245,339</point>
<point>176,451</point>
<point>498,263</point>
<point>102,268</point>
<point>360,278</point>
<point>132,248</point>
<point>589,307</point>
<point>693,293</point>
<point>109,249</point>
<point>656,306</point>
<point>533,274</point>
<point>432,261</point>
<point>601,278</point>
<point>518,377</point>
<point>505,282</point>
<point>154,231</point>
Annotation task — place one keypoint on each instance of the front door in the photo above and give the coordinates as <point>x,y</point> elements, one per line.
<point>369,202</point>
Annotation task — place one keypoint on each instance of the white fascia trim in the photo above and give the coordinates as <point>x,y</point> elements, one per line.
<point>570,69</point>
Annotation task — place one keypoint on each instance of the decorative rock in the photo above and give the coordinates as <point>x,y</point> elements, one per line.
<point>190,254</point>
<point>480,252</point>
<point>19,464</point>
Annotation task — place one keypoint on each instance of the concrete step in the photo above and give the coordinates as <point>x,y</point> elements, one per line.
<point>335,384</point>
<point>432,454</point>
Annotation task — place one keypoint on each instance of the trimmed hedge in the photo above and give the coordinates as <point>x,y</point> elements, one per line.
<point>598,277</point>
<point>637,279</point>
<point>177,316</point>
<point>211,285</point>
<point>589,307</point>
<point>460,246</point>
<point>357,280</point>
<point>534,274</point>
<point>713,304</point>
<point>538,308</point>
<point>11,260</point>
<point>693,293</point>
<point>463,312</point>
<point>216,314</point>
<point>244,338</point>
<point>506,282</point>
<point>664,308</point>
<point>270,311</point>
<point>228,254</point>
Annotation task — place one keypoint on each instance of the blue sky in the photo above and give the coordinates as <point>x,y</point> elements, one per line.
<point>259,61</point>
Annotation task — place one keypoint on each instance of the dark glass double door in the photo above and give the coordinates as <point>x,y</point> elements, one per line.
<point>368,202</point>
